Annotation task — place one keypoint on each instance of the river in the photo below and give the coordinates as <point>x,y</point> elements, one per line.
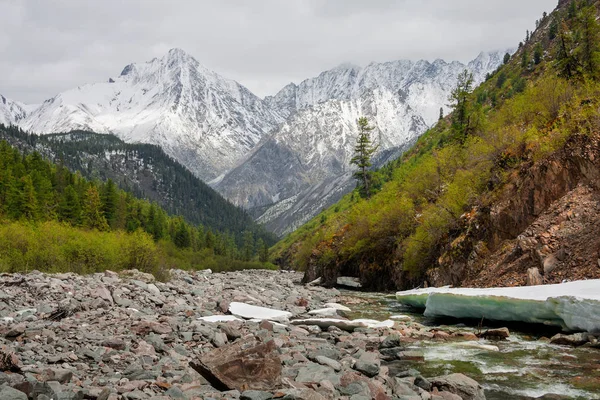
<point>526,366</point>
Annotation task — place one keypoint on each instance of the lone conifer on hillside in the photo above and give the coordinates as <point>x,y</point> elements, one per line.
<point>363,151</point>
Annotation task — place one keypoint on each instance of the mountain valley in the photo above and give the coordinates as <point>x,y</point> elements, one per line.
<point>284,158</point>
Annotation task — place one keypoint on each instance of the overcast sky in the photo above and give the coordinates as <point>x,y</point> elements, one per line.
<point>50,46</point>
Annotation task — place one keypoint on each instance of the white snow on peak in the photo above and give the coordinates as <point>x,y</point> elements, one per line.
<point>205,121</point>
<point>11,112</point>
<point>304,164</point>
<point>572,305</point>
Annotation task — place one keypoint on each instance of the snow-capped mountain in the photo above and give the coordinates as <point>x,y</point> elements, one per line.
<point>304,166</point>
<point>11,112</point>
<point>286,155</point>
<point>203,120</point>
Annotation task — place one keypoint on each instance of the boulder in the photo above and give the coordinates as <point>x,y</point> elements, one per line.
<point>534,278</point>
<point>496,334</point>
<point>368,364</point>
<point>243,365</point>
<point>576,339</point>
<point>8,393</point>
<point>459,384</point>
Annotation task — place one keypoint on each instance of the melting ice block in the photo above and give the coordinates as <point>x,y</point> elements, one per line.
<point>249,311</point>
<point>571,305</point>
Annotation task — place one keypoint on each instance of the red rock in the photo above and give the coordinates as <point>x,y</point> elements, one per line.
<point>243,365</point>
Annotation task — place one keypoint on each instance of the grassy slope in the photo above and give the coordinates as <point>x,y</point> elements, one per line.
<point>523,113</point>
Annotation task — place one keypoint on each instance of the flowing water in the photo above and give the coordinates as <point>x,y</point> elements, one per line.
<point>526,366</point>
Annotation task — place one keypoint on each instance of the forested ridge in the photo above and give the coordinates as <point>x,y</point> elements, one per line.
<point>57,220</point>
<point>145,171</point>
<point>437,194</point>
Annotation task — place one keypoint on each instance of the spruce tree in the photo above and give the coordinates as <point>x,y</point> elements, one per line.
<point>248,246</point>
<point>69,208</point>
<point>110,201</point>
<point>182,237</point>
<point>92,214</point>
<point>459,100</point>
<point>29,199</point>
<point>588,52</point>
<point>363,151</point>
<point>263,251</point>
<point>566,63</point>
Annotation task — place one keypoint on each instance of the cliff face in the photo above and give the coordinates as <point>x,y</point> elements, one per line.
<point>547,218</point>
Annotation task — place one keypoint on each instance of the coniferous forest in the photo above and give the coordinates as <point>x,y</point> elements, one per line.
<point>56,220</point>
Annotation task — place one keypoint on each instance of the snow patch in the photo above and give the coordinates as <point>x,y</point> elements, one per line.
<point>248,311</point>
<point>573,305</point>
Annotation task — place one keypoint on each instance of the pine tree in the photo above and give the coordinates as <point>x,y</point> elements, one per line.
<point>566,63</point>
<point>248,246</point>
<point>110,200</point>
<point>459,99</point>
<point>210,240</point>
<point>29,199</point>
<point>588,52</point>
<point>441,114</point>
<point>363,151</point>
<point>506,58</point>
<point>525,59</point>
<point>69,208</point>
<point>182,238</point>
<point>92,215</point>
<point>263,251</point>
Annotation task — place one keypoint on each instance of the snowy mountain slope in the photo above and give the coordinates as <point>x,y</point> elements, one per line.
<point>304,165</point>
<point>203,120</point>
<point>286,155</point>
<point>11,112</point>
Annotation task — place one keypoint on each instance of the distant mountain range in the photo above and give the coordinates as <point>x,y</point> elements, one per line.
<point>284,157</point>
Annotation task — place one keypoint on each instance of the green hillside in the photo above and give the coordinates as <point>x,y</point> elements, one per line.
<point>546,93</point>
<point>55,220</point>
<point>145,171</point>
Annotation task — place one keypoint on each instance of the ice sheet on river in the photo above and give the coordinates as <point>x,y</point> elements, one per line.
<point>572,305</point>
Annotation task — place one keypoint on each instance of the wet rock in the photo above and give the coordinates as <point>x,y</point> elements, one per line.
<point>459,384</point>
<point>390,341</point>
<point>243,365</point>
<point>423,383</point>
<point>576,339</point>
<point>496,334</point>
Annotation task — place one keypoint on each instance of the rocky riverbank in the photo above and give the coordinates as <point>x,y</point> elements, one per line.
<point>125,336</point>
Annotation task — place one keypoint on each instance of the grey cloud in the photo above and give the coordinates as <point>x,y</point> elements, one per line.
<point>48,47</point>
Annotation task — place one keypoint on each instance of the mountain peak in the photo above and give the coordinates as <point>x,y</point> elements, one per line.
<point>346,66</point>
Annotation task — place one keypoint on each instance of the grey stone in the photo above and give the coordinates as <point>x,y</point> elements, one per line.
<point>368,364</point>
<point>459,384</point>
<point>316,373</point>
<point>329,362</point>
<point>255,395</point>
<point>8,393</point>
